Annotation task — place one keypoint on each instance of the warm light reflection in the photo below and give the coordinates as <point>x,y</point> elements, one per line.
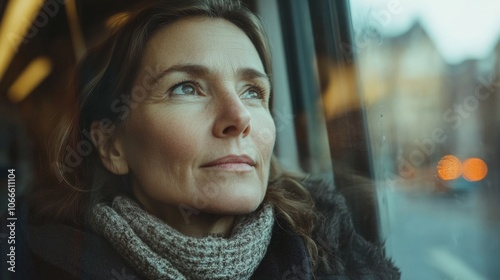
<point>474,169</point>
<point>17,19</point>
<point>31,77</point>
<point>117,20</point>
<point>340,95</point>
<point>75,30</point>
<point>449,168</point>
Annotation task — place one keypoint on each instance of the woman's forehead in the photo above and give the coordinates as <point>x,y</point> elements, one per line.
<point>213,42</point>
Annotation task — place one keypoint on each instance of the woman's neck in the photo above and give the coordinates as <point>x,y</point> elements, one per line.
<point>188,220</point>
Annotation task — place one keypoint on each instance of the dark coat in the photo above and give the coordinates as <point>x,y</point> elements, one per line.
<point>63,252</point>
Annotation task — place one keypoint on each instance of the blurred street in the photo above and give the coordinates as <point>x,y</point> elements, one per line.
<point>443,236</point>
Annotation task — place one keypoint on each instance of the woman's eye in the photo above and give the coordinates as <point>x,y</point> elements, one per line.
<point>252,93</point>
<point>184,89</point>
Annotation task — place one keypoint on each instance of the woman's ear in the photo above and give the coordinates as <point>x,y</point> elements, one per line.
<point>110,149</point>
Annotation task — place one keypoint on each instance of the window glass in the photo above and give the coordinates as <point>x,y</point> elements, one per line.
<point>408,100</point>
<point>429,78</point>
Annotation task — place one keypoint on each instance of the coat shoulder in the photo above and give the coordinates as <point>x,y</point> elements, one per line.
<point>342,250</point>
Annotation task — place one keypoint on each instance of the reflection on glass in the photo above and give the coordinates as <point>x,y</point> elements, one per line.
<point>449,168</point>
<point>430,80</point>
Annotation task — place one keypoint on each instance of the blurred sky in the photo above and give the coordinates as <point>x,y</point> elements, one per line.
<point>461,29</point>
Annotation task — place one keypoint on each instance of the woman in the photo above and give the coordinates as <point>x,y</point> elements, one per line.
<point>169,168</point>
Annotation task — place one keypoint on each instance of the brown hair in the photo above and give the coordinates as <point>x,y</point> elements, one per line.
<point>104,80</point>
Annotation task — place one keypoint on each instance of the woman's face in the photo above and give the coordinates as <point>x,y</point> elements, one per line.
<point>202,139</point>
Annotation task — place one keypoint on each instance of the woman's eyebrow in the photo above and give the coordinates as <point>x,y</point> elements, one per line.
<point>250,74</point>
<point>190,69</point>
<point>245,73</point>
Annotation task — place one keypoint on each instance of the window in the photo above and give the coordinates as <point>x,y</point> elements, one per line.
<point>404,94</point>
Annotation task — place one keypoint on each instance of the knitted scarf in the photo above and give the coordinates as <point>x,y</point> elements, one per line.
<point>158,251</point>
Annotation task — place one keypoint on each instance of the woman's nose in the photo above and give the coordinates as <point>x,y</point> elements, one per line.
<point>233,118</point>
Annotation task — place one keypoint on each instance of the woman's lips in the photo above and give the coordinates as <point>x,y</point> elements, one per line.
<point>232,162</point>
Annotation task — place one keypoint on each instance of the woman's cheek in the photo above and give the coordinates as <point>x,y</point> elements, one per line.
<point>266,132</point>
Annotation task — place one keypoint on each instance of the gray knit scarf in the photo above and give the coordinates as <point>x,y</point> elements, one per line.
<point>158,251</point>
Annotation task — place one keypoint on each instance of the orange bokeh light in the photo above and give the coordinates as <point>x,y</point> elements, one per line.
<point>474,169</point>
<point>449,168</point>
